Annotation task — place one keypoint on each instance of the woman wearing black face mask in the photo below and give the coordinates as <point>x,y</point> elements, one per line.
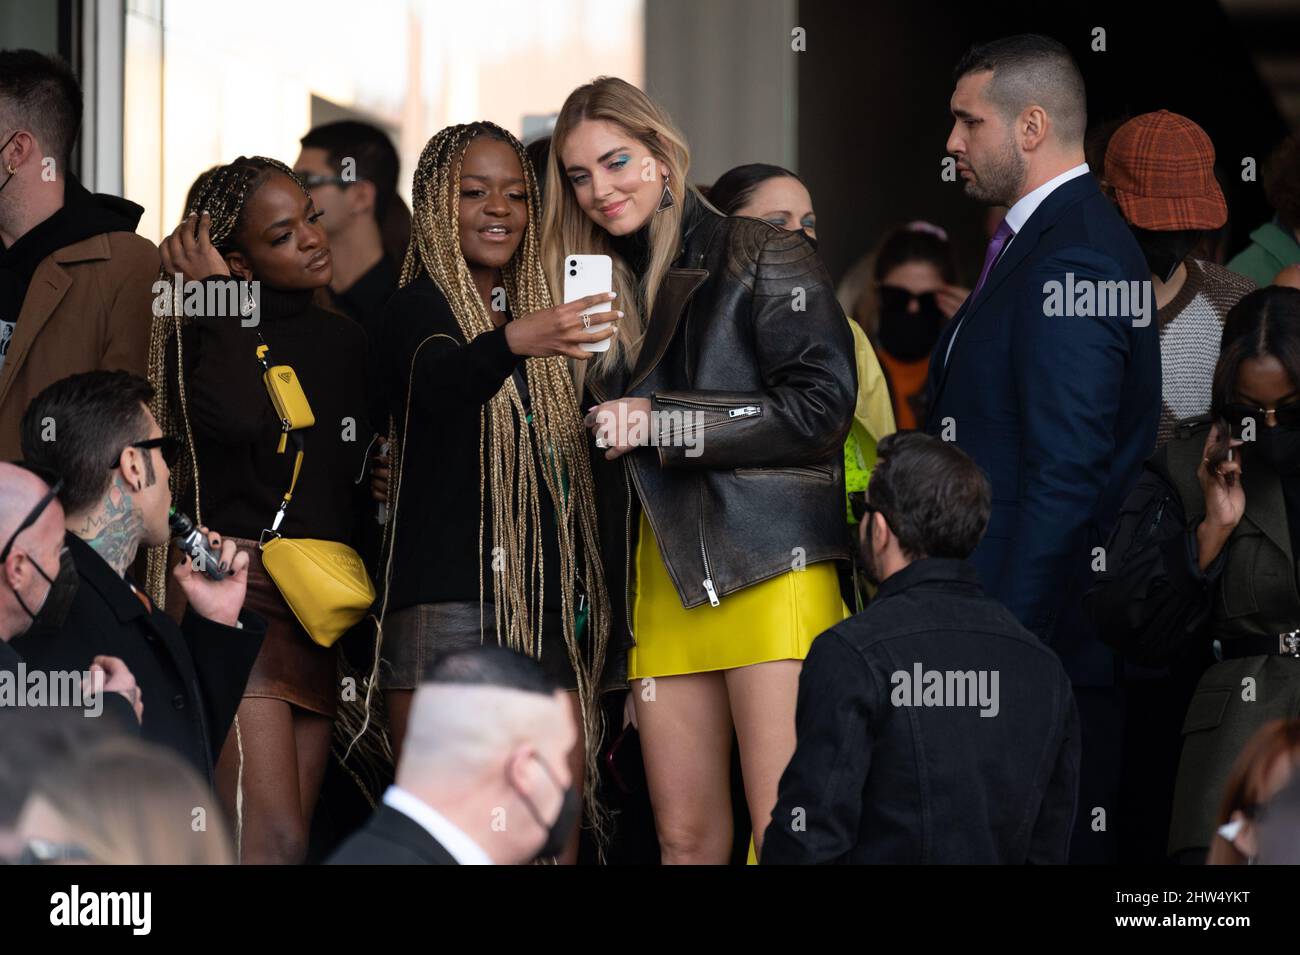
<point>780,198</point>
<point>1202,563</point>
<point>909,294</point>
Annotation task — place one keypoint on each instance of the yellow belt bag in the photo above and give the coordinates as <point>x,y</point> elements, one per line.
<point>324,583</point>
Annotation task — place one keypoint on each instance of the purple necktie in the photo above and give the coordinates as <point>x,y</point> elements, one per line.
<point>996,245</point>
<point>999,242</point>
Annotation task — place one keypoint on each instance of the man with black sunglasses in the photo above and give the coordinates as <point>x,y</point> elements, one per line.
<point>95,429</point>
<point>932,727</point>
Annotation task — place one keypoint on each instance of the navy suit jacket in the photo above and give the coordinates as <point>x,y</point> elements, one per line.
<point>391,837</point>
<point>1060,411</point>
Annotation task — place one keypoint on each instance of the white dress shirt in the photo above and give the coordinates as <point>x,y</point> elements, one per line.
<point>1016,218</point>
<point>450,836</point>
<point>1019,214</point>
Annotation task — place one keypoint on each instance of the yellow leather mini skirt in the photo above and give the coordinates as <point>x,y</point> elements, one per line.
<point>776,619</point>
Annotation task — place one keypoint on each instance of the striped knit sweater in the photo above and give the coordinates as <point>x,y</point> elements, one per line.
<point>1191,326</point>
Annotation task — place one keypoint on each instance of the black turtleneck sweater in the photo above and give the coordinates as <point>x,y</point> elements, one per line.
<point>241,476</point>
<point>634,249</point>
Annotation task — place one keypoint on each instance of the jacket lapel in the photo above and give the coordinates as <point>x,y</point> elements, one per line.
<point>1022,245</point>
<point>128,609</point>
<point>1266,508</point>
<point>49,285</point>
<point>675,292</point>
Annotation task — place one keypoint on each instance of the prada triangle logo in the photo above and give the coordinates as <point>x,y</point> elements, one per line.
<point>285,376</point>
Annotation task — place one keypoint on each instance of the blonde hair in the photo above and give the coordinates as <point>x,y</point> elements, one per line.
<point>133,803</point>
<point>567,229</point>
<point>555,436</point>
<point>1247,785</point>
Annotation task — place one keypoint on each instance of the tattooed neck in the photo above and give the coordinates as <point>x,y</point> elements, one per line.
<point>113,528</point>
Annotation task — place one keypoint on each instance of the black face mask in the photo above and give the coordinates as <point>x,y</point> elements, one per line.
<point>557,833</point>
<point>1277,448</point>
<point>910,336</point>
<point>1165,251</point>
<point>58,599</point>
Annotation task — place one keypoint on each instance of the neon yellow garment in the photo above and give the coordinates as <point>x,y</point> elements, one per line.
<point>775,619</point>
<point>873,418</point>
<point>874,411</point>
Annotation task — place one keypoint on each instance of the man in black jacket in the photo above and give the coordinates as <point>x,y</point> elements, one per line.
<point>96,431</point>
<point>484,774</point>
<point>932,727</point>
<point>37,585</point>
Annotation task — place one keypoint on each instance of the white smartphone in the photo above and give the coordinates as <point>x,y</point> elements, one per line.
<point>588,275</point>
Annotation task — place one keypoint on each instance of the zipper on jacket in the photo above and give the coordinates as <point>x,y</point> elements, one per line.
<point>1160,512</point>
<point>627,553</point>
<point>714,600</point>
<point>742,412</point>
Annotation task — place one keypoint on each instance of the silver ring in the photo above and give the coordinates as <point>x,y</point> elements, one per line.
<point>601,443</point>
<point>586,321</point>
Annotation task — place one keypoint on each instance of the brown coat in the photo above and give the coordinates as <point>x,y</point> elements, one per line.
<point>88,307</point>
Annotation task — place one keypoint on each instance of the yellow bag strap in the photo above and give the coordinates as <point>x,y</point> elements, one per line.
<point>288,495</point>
<point>262,349</point>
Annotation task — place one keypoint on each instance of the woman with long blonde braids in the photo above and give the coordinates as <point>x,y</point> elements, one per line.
<point>253,220</point>
<point>492,530</point>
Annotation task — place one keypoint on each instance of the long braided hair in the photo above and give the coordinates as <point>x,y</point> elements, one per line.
<point>222,192</point>
<point>509,483</point>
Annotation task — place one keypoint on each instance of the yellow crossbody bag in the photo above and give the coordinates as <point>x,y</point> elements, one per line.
<point>324,583</point>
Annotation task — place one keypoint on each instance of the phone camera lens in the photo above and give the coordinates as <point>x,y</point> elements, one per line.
<point>573,262</point>
<point>573,271</point>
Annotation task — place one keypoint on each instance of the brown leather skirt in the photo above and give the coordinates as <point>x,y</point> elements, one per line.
<point>290,666</point>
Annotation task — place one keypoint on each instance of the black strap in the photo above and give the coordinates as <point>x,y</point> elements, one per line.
<point>1235,648</point>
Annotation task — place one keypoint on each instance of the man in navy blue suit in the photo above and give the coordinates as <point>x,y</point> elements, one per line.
<point>1049,375</point>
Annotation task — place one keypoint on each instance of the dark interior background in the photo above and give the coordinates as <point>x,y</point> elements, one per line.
<point>873,114</point>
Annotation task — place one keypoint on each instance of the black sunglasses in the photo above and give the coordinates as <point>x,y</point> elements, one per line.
<point>169,446</point>
<point>1287,415</point>
<point>862,507</point>
<point>33,517</point>
<point>894,298</point>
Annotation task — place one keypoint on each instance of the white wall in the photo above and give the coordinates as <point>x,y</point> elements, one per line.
<point>725,71</point>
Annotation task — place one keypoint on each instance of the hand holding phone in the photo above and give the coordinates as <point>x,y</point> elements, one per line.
<point>562,330</point>
<point>586,275</point>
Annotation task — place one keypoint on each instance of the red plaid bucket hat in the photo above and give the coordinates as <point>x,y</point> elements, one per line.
<point>1161,167</point>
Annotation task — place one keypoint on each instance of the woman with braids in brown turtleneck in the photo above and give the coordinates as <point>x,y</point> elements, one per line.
<point>258,223</point>
<point>492,535</point>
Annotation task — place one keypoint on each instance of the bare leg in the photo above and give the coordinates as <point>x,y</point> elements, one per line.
<point>312,733</point>
<point>762,704</point>
<point>686,743</point>
<point>273,828</point>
